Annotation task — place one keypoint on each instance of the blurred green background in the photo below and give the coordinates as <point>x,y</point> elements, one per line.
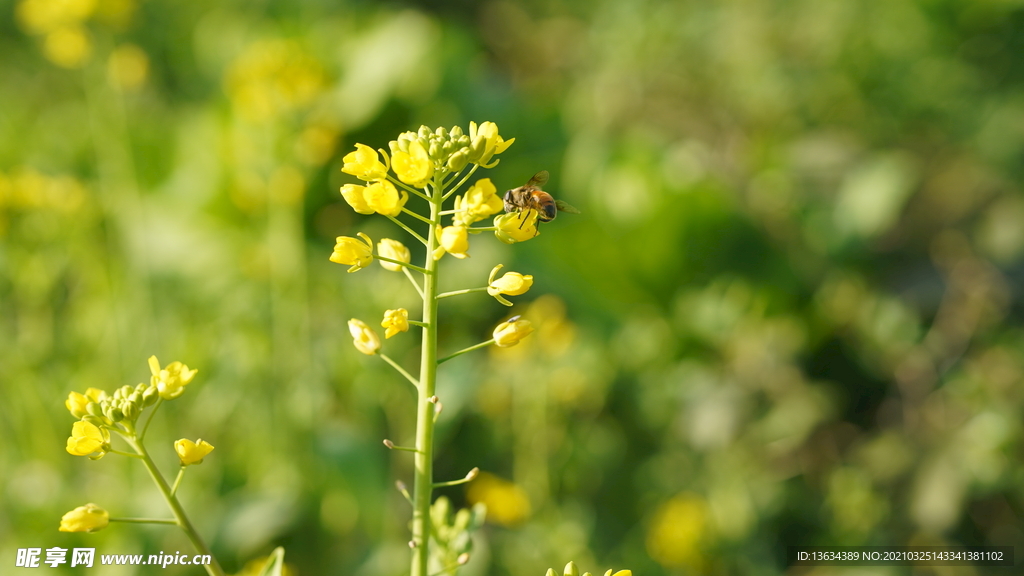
<point>789,313</point>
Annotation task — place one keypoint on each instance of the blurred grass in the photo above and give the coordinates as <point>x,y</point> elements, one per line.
<point>791,304</point>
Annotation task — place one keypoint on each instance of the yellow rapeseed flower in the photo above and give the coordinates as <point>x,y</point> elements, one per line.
<point>395,321</point>
<point>515,227</point>
<point>190,452</point>
<point>87,438</point>
<point>42,16</point>
<point>127,67</point>
<point>77,403</point>
<point>414,167</point>
<point>68,46</point>
<point>384,198</point>
<point>355,195</point>
<point>454,240</point>
<point>486,142</point>
<point>394,250</point>
<point>171,380</point>
<point>352,251</point>
<point>364,164</point>
<point>507,502</point>
<point>363,337</point>
<point>480,201</point>
<point>511,283</point>
<point>511,331</point>
<point>676,531</point>
<point>88,518</point>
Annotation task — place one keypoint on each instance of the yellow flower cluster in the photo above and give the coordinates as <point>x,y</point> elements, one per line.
<point>98,411</point>
<point>273,77</point>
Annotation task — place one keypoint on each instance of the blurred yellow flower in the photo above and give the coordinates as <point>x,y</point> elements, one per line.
<point>127,67</point>
<point>86,438</point>
<point>42,16</point>
<point>486,142</point>
<point>480,201</point>
<point>507,502</point>
<point>271,77</point>
<point>511,283</point>
<point>355,195</point>
<point>677,530</point>
<point>88,518</point>
<point>414,167</point>
<point>394,250</point>
<point>363,337</point>
<point>454,240</point>
<point>192,452</point>
<point>68,46</point>
<point>364,164</point>
<point>515,227</point>
<point>171,380</point>
<point>384,198</point>
<point>511,331</point>
<point>354,252</point>
<point>395,321</point>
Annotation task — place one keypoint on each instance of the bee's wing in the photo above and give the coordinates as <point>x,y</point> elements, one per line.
<point>539,179</point>
<point>566,207</point>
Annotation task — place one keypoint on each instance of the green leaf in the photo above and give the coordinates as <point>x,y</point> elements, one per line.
<point>275,563</point>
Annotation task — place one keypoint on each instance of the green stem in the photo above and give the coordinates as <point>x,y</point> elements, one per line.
<point>405,264</point>
<point>461,182</point>
<point>177,481</point>
<point>181,519</point>
<point>407,229</point>
<point>418,323</point>
<point>128,454</point>
<point>415,284</point>
<point>408,188</point>
<point>145,521</point>
<point>424,465</point>
<point>142,435</point>
<point>418,217</point>
<point>458,292</point>
<point>464,350</point>
<point>401,370</point>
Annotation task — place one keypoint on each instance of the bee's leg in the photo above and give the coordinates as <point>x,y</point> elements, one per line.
<point>522,219</point>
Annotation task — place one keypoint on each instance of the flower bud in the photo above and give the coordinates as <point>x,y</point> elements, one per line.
<point>458,160</point>
<point>363,337</point>
<point>77,404</point>
<point>88,518</point>
<point>455,132</point>
<point>150,396</point>
<point>510,332</point>
<point>441,131</point>
<point>515,227</point>
<point>423,132</point>
<point>131,410</point>
<point>571,570</point>
<point>94,409</point>
<point>394,250</point>
<point>355,195</point>
<point>434,150</point>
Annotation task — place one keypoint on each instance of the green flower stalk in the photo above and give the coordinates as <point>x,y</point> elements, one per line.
<point>102,414</point>
<point>432,165</point>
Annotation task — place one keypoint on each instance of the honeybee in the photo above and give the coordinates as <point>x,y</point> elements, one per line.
<point>530,196</point>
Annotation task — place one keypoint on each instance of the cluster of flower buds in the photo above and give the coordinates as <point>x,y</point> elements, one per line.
<point>101,409</point>
<point>97,411</point>
<point>452,150</point>
<point>572,570</point>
